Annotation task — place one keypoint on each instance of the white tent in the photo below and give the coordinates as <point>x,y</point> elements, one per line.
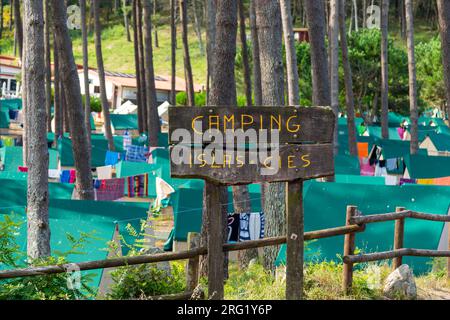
<point>127,108</point>
<point>163,111</point>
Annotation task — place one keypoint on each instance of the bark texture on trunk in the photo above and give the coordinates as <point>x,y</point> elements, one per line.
<point>211,42</point>
<point>137,68</point>
<point>126,19</point>
<point>291,54</point>
<point>57,97</point>
<point>348,81</point>
<point>198,28</point>
<point>38,226</point>
<point>384,69</point>
<point>48,70</point>
<point>72,96</point>
<point>268,22</point>
<point>173,51</point>
<point>87,95</point>
<point>412,76</point>
<point>101,75</point>
<point>152,107</point>
<point>243,36</point>
<point>334,65</point>
<point>18,33</point>
<point>187,57</point>
<point>444,28</point>
<point>255,56</point>
<point>142,65</point>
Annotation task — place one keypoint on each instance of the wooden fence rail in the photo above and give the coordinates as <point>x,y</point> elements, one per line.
<point>171,256</point>
<point>399,216</point>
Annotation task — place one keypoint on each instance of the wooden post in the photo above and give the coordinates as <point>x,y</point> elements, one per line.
<point>192,267</point>
<point>448,247</point>
<point>295,240</point>
<point>398,238</point>
<point>216,255</point>
<point>349,249</point>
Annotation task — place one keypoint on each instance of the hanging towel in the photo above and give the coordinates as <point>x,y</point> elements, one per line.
<point>109,190</point>
<point>138,186</point>
<point>407,181</point>
<point>233,227</point>
<point>72,176</point>
<point>65,176</point>
<point>163,191</point>
<point>391,164</point>
<point>23,169</point>
<point>363,149</point>
<point>54,173</point>
<point>112,158</point>
<point>252,226</point>
<point>365,167</point>
<point>136,153</point>
<point>104,172</point>
<point>401,132</point>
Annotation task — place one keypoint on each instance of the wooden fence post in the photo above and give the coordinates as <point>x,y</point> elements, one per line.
<point>398,238</point>
<point>349,249</point>
<point>216,256</point>
<point>448,248</point>
<point>295,240</point>
<point>192,267</point>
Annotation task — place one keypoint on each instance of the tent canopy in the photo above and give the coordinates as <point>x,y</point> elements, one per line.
<point>425,167</point>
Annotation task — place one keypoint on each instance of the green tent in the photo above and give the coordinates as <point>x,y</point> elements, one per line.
<point>124,121</point>
<point>440,141</point>
<point>325,206</point>
<point>424,167</point>
<point>4,119</point>
<point>346,164</point>
<point>375,131</point>
<point>12,158</point>
<point>11,104</point>
<point>356,179</point>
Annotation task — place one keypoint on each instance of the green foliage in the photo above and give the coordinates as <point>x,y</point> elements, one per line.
<point>47,287</point>
<point>96,103</point>
<point>430,72</point>
<point>141,281</point>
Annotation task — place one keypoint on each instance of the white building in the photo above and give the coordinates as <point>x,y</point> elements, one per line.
<point>121,87</point>
<point>9,70</point>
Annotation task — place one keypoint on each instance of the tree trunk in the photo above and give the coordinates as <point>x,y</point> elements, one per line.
<point>198,28</point>
<point>334,66</point>
<point>211,42</point>
<point>173,51</point>
<point>349,98</point>
<point>444,27</point>
<point>48,69</point>
<point>243,36</point>
<point>187,58</point>
<point>142,65</point>
<point>38,229</point>
<point>72,95</point>
<point>18,33</point>
<point>291,54</point>
<point>137,62</point>
<point>356,15</point>
<point>87,95</point>
<point>57,97</point>
<point>152,107</point>
<point>125,19</point>
<point>384,70</point>
<point>91,16</point>
<point>268,21</point>
<point>412,76</point>
<point>255,56</point>
<point>101,75</point>
<point>155,26</point>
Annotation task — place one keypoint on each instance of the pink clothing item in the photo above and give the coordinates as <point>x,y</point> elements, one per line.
<point>401,132</point>
<point>72,176</point>
<point>365,167</point>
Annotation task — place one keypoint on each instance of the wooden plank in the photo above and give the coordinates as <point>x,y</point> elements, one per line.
<point>382,217</point>
<point>385,255</point>
<point>295,241</point>
<point>349,249</point>
<point>398,238</point>
<point>216,256</point>
<point>192,266</point>
<point>295,162</point>
<point>295,124</point>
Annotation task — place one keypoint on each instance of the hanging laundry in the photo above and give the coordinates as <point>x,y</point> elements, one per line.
<point>136,153</point>
<point>401,132</point>
<point>8,141</point>
<point>363,149</point>
<point>251,226</point>
<point>391,180</point>
<point>445,181</point>
<point>65,176</point>
<point>365,167</point>
<point>127,140</point>
<point>391,164</point>
<point>23,169</point>
<point>138,186</point>
<point>163,191</point>
<point>104,172</point>
<point>233,227</point>
<point>54,173</point>
<point>425,181</point>
<point>73,176</point>
<point>407,181</point>
<point>109,189</point>
<point>380,171</point>
<point>112,158</point>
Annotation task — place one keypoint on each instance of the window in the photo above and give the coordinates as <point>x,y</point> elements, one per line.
<point>13,85</point>
<point>2,81</point>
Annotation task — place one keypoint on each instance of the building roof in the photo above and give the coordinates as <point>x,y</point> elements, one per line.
<point>8,61</point>
<point>129,80</point>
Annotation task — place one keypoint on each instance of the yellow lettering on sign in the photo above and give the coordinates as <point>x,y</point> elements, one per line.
<point>291,162</point>
<point>239,161</point>
<point>295,128</point>
<point>213,122</point>
<point>244,122</point>
<point>305,159</point>
<point>213,164</point>
<point>227,119</point>
<point>193,124</point>
<point>201,158</point>
<point>227,160</point>
<point>273,120</point>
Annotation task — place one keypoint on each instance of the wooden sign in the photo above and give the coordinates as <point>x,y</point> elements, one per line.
<point>295,124</point>
<point>292,162</point>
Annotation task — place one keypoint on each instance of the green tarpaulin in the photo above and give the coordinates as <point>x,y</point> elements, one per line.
<point>12,158</point>
<point>425,167</point>
<point>325,206</point>
<point>11,104</point>
<point>4,119</point>
<point>124,121</point>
